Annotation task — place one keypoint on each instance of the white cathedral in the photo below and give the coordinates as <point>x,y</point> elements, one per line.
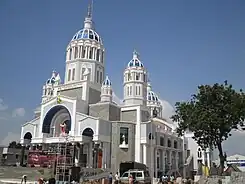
<point>84,107</point>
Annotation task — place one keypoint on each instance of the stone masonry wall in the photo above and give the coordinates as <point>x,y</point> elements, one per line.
<point>235,178</point>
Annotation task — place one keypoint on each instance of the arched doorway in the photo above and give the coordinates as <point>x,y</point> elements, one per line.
<point>96,150</point>
<point>26,144</point>
<point>54,117</point>
<point>88,132</point>
<point>28,136</point>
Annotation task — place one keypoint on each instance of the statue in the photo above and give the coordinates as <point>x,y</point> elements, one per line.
<point>63,128</point>
<point>123,140</point>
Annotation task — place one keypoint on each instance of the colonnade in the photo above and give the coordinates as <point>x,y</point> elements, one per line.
<point>161,160</point>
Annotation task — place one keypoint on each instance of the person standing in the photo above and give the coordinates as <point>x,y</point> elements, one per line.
<point>130,179</point>
<point>116,178</point>
<point>24,178</point>
<point>171,179</point>
<point>110,178</point>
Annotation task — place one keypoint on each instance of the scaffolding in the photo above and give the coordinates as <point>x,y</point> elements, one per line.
<point>64,159</point>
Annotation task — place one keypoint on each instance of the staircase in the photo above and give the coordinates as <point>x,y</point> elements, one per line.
<point>17,172</point>
<point>94,174</point>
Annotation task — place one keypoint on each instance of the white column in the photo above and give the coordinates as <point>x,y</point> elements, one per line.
<point>77,155</point>
<point>86,52</point>
<point>145,154</point>
<point>138,136</point>
<point>99,55</point>
<point>163,160</point>
<point>95,50</point>
<point>177,160</point>
<point>155,160</point>
<point>170,159</point>
<point>35,130</point>
<point>103,155</point>
<point>203,157</point>
<point>73,53</point>
<point>208,158</point>
<point>93,53</point>
<point>90,154</point>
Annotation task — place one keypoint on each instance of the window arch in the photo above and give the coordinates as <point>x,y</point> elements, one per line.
<point>199,153</point>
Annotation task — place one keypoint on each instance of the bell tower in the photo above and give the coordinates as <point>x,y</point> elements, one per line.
<point>135,82</point>
<point>85,52</point>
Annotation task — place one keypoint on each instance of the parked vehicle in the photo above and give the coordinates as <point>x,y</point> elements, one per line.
<point>139,176</point>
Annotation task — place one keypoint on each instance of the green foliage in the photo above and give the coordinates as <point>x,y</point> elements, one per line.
<point>15,145</point>
<point>211,114</point>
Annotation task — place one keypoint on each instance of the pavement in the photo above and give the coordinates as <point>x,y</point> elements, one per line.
<point>15,181</point>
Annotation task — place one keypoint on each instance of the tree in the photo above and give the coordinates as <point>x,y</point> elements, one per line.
<point>15,145</point>
<point>211,115</point>
<point>12,144</point>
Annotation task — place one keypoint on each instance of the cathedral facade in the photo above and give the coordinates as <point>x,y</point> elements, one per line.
<point>83,109</point>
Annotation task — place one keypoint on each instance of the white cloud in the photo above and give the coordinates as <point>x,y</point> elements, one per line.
<point>233,144</point>
<point>167,109</point>
<point>19,112</point>
<point>9,138</point>
<point>2,105</point>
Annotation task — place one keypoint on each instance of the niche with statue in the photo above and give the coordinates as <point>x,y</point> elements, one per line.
<point>123,138</point>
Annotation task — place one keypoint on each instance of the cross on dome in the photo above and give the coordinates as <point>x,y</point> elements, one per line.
<point>135,54</point>
<point>135,62</point>
<point>87,32</point>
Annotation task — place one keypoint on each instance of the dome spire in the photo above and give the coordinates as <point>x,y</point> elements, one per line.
<point>135,54</point>
<point>88,19</point>
<point>90,9</point>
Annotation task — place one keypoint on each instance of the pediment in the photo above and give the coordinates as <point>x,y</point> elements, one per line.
<point>58,100</point>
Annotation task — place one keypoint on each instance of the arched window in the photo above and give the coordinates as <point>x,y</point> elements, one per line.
<point>169,143</point>
<point>199,153</point>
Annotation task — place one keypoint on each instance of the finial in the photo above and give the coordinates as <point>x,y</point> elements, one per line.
<point>135,54</point>
<point>90,9</point>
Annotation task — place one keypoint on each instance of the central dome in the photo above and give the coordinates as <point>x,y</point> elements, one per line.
<point>87,33</point>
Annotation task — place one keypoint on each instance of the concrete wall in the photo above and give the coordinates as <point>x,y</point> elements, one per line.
<point>130,116</point>
<point>106,111</point>
<point>11,156</point>
<point>77,92</point>
<point>82,106</point>
<point>119,154</point>
<point>94,96</point>
<point>235,178</point>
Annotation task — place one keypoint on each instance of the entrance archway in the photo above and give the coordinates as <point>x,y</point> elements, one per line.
<point>26,145</point>
<point>27,136</point>
<point>95,150</point>
<point>54,117</point>
<point>88,132</point>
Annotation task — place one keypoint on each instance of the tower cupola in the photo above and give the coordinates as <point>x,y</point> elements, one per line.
<point>85,50</point>
<point>51,86</point>
<point>135,82</point>
<point>153,102</point>
<point>106,90</point>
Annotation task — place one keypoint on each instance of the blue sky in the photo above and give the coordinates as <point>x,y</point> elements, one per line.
<point>182,44</point>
